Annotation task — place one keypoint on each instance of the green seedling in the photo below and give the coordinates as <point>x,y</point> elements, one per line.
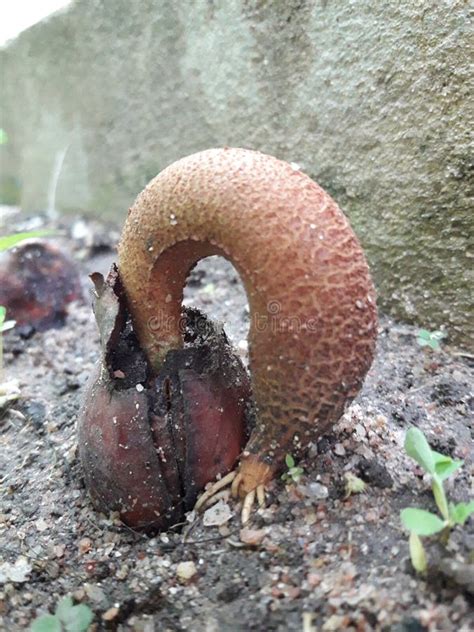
<point>67,618</point>
<point>294,473</point>
<point>8,241</point>
<point>3,137</point>
<point>420,522</point>
<point>430,339</point>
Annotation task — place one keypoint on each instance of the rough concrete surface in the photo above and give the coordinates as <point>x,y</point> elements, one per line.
<point>370,98</point>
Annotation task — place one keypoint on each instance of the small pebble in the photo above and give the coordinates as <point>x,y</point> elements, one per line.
<point>186,570</point>
<point>85,545</point>
<point>335,622</point>
<point>95,594</point>
<point>41,525</point>
<point>252,537</point>
<point>110,614</point>
<point>217,515</point>
<point>316,491</point>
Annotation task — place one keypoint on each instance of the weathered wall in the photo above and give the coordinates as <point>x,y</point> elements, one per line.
<point>370,98</point>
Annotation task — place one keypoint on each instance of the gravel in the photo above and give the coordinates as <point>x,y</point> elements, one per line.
<point>315,558</point>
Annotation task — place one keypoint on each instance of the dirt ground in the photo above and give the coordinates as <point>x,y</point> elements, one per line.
<point>312,559</point>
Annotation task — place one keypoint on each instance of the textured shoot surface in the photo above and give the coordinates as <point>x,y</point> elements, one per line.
<point>311,299</point>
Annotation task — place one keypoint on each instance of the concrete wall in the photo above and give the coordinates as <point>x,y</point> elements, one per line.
<point>371,98</point>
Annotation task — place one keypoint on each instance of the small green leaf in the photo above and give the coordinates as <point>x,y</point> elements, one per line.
<point>290,461</point>
<point>421,522</point>
<point>417,553</point>
<point>295,473</point>
<point>3,137</point>
<point>78,618</point>
<point>3,312</point>
<point>8,241</point>
<point>418,448</point>
<point>440,458</point>
<point>424,334</point>
<point>460,513</point>
<point>46,623</point>
<point>430,338</point>
<point>440,496</point>
<point>445,465</point>
<point>63,607</point>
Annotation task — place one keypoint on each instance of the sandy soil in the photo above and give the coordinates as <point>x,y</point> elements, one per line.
<point>313,559</point>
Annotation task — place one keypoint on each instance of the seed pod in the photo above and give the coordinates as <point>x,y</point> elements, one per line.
<point>148,441</point>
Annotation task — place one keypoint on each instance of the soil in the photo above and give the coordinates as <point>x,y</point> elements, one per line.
<point>312,559</point>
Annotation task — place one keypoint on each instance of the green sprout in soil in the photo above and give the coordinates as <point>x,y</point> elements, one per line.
<point>67,618</point>
<point>430,339</point>
<point>294,473</point>
<point>420,522</point>
<point>8,241</point>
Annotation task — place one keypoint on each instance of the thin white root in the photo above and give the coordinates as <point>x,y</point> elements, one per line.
<point>222,495</point>
<point>216,492</point>
<point>214,489</point>
<point>247,506</point>
<point>235,485</point>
